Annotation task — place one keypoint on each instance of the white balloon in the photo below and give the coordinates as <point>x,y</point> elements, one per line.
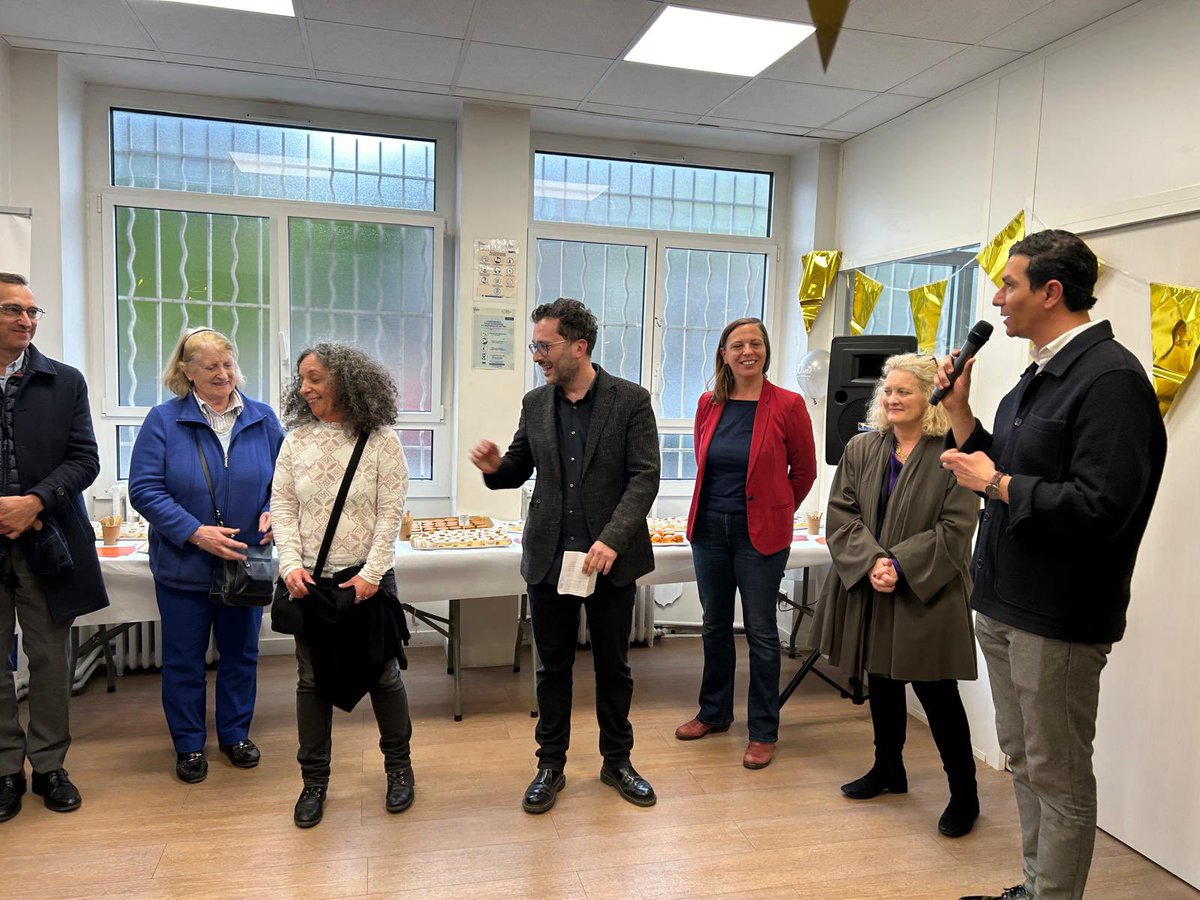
<point>812,374</point>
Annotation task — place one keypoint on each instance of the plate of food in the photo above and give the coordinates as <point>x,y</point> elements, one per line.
<point>667,524</point>
<point>461,539</point>
<point>668,537</point>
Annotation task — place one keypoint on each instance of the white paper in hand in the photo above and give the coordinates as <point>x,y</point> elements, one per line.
<point>571,579</point>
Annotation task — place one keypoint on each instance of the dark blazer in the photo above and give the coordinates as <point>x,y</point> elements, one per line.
<point>620,476</point>
<point>58,460</point>
<point>782,466</point>
<point>1084,443</point>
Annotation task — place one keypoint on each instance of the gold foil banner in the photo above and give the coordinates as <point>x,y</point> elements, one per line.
<point>994,254</point>
<point>827,16</point>
<point>820,268</point>
<point>1174,336</point>
<point>866,295</point>
<point>926,303</point>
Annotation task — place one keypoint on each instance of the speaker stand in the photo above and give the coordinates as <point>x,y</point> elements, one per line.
<point>804,608</point>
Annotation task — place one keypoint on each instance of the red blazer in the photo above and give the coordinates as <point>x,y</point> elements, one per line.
<point>782,468</point>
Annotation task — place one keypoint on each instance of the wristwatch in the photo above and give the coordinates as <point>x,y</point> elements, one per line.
<point>992,490</point>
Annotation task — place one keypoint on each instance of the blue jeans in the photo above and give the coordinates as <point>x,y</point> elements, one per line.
<point>725,562</point>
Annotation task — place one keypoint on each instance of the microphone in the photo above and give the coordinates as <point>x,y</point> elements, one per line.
<point>976,338</point>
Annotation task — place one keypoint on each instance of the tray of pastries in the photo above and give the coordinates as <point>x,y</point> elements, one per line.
<point>667,537</point>
<point>667,524</point>
<point>410,526</point>
<point>460,539</point>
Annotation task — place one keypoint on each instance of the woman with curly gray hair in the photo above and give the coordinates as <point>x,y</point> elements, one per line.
<point>339,394</point>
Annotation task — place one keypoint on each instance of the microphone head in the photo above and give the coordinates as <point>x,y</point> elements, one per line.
<point>980,332</point>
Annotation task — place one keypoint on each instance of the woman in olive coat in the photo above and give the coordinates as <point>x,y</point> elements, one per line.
<point>896,602</point>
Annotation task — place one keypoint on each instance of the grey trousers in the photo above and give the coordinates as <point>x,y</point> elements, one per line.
<point>1046,693</point>
<point>314,720</point>
<point>48,646</point>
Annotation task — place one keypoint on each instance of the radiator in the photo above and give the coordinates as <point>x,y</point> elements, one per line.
<point>642,631</point>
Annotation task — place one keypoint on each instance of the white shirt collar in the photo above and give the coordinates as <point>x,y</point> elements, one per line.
<point>235,405</point>
<point>1044,355</point>
<point>15,366</point>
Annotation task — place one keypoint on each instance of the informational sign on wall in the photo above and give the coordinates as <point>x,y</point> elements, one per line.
<point>494,336</point>
<point>496,267</point>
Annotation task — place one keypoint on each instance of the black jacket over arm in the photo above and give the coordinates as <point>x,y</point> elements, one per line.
<point>620,476</point>
<point>1084,443</point>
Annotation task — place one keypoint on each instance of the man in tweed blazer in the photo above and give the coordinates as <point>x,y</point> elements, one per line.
<point>593,441</point>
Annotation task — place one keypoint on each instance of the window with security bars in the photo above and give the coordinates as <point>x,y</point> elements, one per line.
<point>893,311</point>
<point>677,456</point>
<point>618,193</point>
<point>248,159</point>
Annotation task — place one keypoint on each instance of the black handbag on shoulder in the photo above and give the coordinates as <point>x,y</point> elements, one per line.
<point>239,582</point>
<point>287,616</point>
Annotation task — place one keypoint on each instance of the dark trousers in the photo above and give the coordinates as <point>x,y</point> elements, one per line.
<point>726,562</point>
<point>556,633</point>
<point>314,720</point>
<point>188,618</point>
<point>947,720</point>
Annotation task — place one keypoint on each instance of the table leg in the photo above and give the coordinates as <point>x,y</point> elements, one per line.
<point>520,633</point>
<point>456,657</point>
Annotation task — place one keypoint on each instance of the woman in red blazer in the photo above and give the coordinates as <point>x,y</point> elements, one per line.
<point>755,462</point>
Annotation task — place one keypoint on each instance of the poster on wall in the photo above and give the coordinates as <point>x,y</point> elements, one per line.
<point>496,269</point>
<point>493,336</point>
<point>15,227</point>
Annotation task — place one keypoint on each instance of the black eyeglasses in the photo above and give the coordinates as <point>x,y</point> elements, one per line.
<point>543,347</point>
<point>16,310</point>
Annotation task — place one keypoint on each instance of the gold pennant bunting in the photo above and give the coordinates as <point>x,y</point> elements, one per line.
<point>926,303</point>
<point>993,256</point>
<point>1174,336</point>
<point>820,268</point>
<point>827,16</point>
<point>866,295</point>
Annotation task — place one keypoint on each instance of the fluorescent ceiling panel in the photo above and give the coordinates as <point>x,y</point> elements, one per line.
<point>266,7</point>
<point>716,42</point>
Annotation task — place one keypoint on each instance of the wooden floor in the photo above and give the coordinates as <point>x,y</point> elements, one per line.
<point>718,829</point>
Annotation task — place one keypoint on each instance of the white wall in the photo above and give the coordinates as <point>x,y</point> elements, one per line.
<point>5,124</point>
<point>1090,132</point>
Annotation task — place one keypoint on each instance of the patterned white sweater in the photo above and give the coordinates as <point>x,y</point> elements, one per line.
<point>308,473</point>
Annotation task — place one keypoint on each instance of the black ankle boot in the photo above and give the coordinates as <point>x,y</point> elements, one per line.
<point>310,806</point>
<point>875,782</point>
<point>960,815</point>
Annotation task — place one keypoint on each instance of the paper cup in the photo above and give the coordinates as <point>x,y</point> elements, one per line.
<point>814,523</point>
<point>112,533</point>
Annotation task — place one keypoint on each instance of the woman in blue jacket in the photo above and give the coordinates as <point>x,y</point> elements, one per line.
<point>240,439</point>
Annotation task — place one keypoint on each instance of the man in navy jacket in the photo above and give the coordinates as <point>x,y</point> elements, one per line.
<point>49,573</point>
<point>1070,472</point>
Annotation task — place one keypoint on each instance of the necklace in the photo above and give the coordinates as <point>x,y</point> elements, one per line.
<point>903,455</point>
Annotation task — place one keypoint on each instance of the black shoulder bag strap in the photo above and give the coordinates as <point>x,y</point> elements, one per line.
<point>207,477</point>
<point>336,512</point>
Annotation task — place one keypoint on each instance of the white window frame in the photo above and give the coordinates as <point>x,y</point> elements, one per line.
<point>108,412</point>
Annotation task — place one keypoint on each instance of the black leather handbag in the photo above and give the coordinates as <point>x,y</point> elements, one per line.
<point>287,615</point>
<point>239,582</point>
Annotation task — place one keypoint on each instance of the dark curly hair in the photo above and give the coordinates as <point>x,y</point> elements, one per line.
<point>575,321</point>
<point>365,390</point>
<point>1065,258</point>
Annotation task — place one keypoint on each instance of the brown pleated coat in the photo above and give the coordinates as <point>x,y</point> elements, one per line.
<point>922,631</point>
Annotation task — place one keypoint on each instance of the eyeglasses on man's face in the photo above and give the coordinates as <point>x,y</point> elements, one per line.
<point>16,310</point>
<point>543,347</point>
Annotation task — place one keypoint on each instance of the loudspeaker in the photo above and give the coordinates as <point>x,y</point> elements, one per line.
<point>855,364</point>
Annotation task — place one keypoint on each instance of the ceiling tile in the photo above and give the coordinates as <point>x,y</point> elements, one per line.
<point>808,105</point>
<point>748,124</point>
<point>445,18</point>
<point>28,43</point>
<point>1057,20</point>
<point>517,70</point>
<point>657,87</point>
<point>222,33</point>
<point>382,53</point>
<point>787,10</point>
<point>588,27</point>
<point>882,109</point>
<point>239,65</point>
<point>829,134</point>
<point>862,60</point>
<point>965,21</point>
<point>966,65</point>
<point>96,22</point>
<point>654,115</point>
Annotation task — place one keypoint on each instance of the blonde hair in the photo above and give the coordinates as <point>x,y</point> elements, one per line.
<point>935,422</point>
<point>174,376</point>
<point>722,374</point>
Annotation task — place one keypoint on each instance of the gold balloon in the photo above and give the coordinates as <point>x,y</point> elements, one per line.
<point>1174,336</point>
<point>926,303</point>
<point>866,295</point>
<point>820,268</point>
<point>993,256</point>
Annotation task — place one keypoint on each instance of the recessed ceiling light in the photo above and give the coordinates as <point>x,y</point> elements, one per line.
<point>716,42</point>
<point>266,7</point>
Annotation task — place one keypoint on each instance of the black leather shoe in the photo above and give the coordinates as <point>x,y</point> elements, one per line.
<point>401,790</point>
<point>243,754</point>
<point>11,788</point>
<point>310,806</point>
<point>543,791</point>
<point>191,767</point>
<point>1016,892</point>
<point>629,784</point>
<point>56,791</point>
<point>959,817</point>
<point>875,783</point>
